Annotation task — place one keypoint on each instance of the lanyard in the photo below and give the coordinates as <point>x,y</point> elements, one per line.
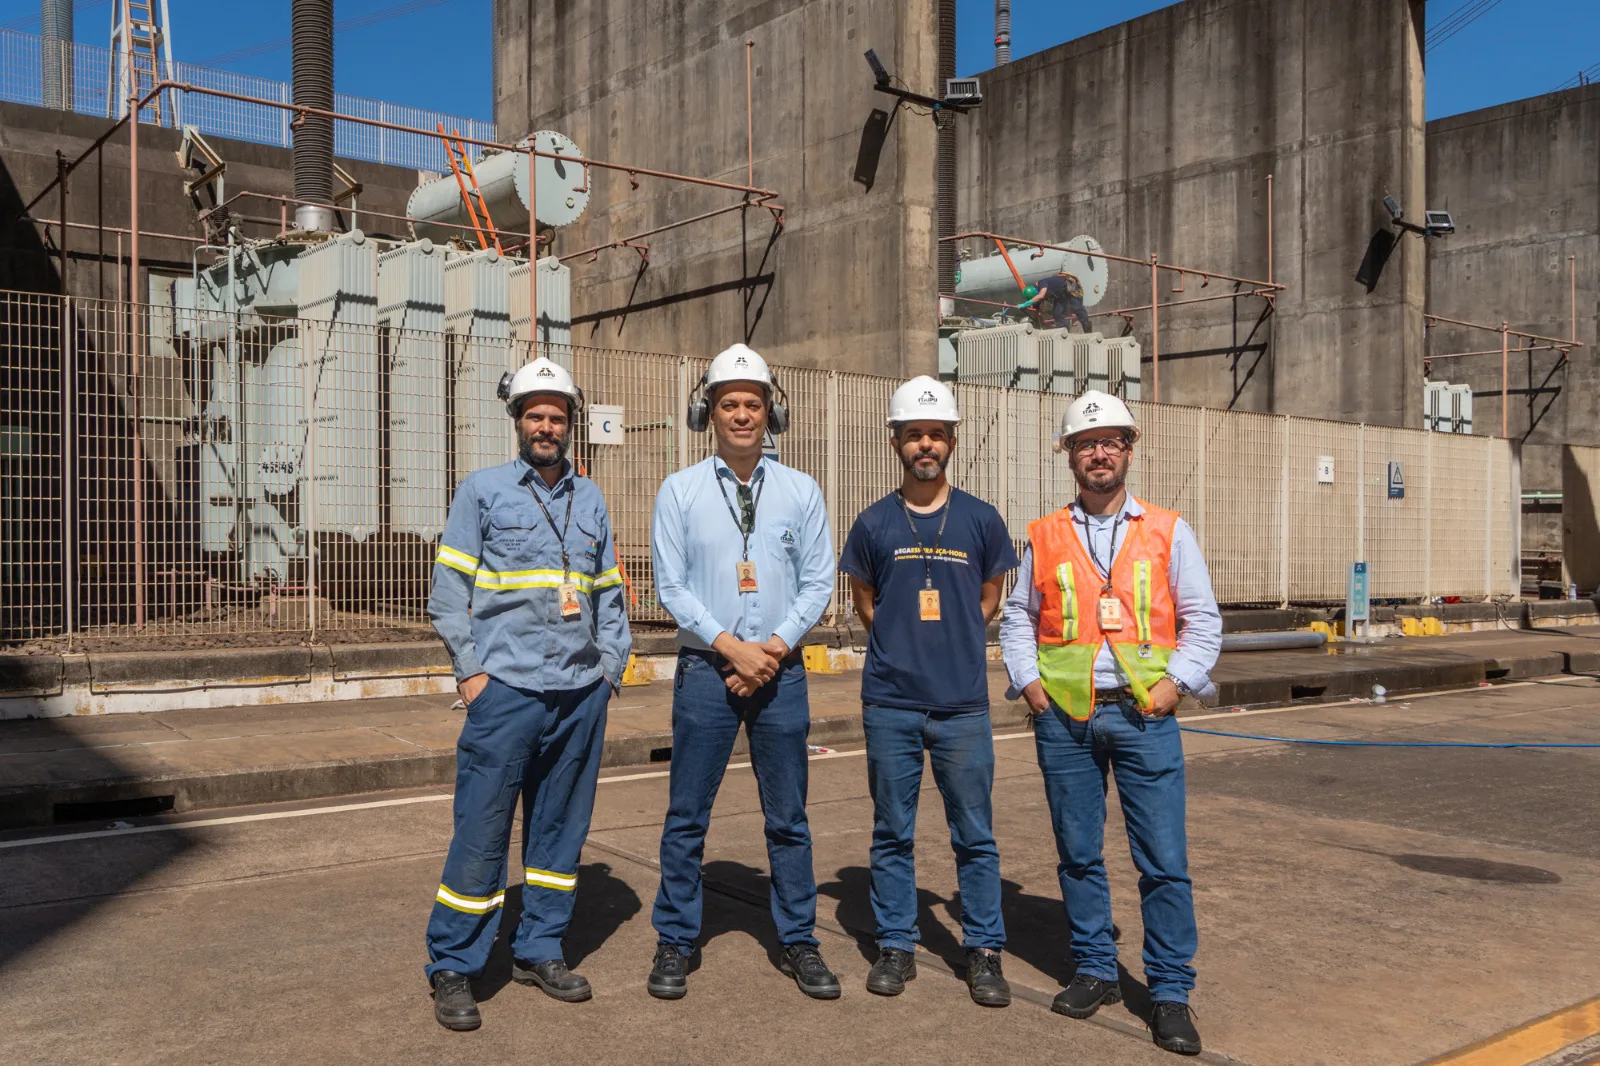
<point>927,563</point>
<point>566,571</point>
<point>754,503</point>
<point>1104,568</point>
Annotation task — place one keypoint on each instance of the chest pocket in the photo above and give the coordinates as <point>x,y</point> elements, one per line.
<point>583,546</point>
<point>519,537</point>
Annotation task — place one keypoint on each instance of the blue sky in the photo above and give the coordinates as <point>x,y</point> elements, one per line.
<point>437,54</point>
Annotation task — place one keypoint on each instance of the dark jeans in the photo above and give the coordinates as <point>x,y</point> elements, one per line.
<point>1146,754</point>
<point>705,722</point>
<point>961,746</point>
<point>1071,307</point>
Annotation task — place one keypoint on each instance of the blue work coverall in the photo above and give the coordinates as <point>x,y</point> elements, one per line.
<point>537,728</point>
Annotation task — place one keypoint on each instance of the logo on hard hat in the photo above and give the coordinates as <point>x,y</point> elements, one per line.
<point>927,397</point>
<point>545,372</point>
<point>1091,408</point>
<point>741,361</point>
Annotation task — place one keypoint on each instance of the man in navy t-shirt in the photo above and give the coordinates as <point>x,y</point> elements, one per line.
<point>926,565</point>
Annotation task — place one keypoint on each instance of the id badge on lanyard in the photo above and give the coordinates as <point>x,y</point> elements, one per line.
<point>1110,611</point>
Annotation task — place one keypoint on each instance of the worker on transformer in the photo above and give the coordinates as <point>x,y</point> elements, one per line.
<point>927,566</point>
<point>744,563</point>
<point>1091,640</point>
<point>1062,297</point>
<point>528,598</point>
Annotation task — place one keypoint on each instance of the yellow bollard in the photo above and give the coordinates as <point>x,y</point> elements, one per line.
<point>817,660</point>
<point>630,676</point>
<point>1432,627</point>
<point>1411,627</point>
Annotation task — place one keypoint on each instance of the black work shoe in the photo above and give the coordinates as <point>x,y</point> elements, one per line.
<point>890,973</point>
<point>554,977</point>
<point>1084,995</point>
<point>1173,1029</point>
<point>669,976</point>
<point>453,1005</point>
<point>984,979</point>
<point>804,963</point>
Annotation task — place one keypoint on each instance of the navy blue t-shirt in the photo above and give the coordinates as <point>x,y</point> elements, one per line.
<point>927,665</point>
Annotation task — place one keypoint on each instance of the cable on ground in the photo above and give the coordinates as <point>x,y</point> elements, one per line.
<point>1385,743</point>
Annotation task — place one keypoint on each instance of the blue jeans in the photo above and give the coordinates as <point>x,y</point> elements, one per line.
<point>961,744</point>
<point>705,722</point>
<point>545,747</point>
<point>1146,754</point>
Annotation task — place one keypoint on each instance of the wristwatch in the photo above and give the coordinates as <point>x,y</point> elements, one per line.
<point>1183,690</point>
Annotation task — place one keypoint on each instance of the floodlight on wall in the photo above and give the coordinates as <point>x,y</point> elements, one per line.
<point>960,94</point>
<point>1382,244</point>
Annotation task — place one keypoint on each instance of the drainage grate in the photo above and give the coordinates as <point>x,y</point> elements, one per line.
<point>112,810</point>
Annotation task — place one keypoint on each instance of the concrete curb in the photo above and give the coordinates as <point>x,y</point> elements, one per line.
<point>1337,680</point>
<point>55,684</point>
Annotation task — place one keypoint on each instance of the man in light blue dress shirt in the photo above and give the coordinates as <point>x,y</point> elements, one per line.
<point>744,562</point>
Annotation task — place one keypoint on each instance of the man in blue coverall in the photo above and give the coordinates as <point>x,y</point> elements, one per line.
<point>744,563</point>
<point>528,598</point>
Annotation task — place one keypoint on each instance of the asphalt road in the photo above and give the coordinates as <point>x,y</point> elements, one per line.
<point>1357,905</point>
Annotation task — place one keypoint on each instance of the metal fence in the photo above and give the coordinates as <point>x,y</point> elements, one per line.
<point>295,474</point>
<point>88,67</point>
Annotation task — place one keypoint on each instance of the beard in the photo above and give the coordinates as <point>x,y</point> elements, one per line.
<point>526,448</point>
<point>1105,478</point>
<point>920,470</point>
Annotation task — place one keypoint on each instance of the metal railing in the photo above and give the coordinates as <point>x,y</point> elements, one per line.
<point>89,67</point>
<point>295,474</point>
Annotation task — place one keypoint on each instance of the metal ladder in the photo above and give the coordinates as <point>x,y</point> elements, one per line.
<point>452,146</point>
<point>141,56</point>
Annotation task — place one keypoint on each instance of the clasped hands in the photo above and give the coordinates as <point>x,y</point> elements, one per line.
<point>753,664</point>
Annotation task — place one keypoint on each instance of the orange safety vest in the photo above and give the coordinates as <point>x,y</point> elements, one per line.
<point>1070,585</point>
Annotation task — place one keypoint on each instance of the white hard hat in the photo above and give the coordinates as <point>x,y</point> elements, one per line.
<point>923,399</point>
<point>738,363</point>
<point>1096,410</point>
<point>540,376</point>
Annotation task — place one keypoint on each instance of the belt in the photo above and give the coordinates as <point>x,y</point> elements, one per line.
<point>1120,695</point>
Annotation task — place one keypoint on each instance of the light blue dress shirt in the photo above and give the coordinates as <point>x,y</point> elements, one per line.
<point>1200,622</point>
<point>695,545</point>
<point>497,580</point>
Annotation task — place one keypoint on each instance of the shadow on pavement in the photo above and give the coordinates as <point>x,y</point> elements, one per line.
<point>852,888</point>
<point>749,885</point>
<point>47,888</point>
<point>604,904</point>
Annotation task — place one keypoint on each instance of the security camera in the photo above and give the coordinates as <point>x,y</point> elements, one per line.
<point>881,75</point>
<point>1396,212</point>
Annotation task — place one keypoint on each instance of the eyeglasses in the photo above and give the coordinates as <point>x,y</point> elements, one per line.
<point>1111,446</point>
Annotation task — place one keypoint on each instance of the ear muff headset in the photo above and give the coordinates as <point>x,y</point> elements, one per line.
<point>502,393</point>
<point>699,415</point>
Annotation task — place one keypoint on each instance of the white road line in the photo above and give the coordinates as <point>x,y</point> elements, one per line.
<point>273,816</point>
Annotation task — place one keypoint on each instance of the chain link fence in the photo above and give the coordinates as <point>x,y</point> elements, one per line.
<point>294,474</point>
<point>87,69</point>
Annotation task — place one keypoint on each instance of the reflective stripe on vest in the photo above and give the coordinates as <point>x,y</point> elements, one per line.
<point>1069,602</point>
